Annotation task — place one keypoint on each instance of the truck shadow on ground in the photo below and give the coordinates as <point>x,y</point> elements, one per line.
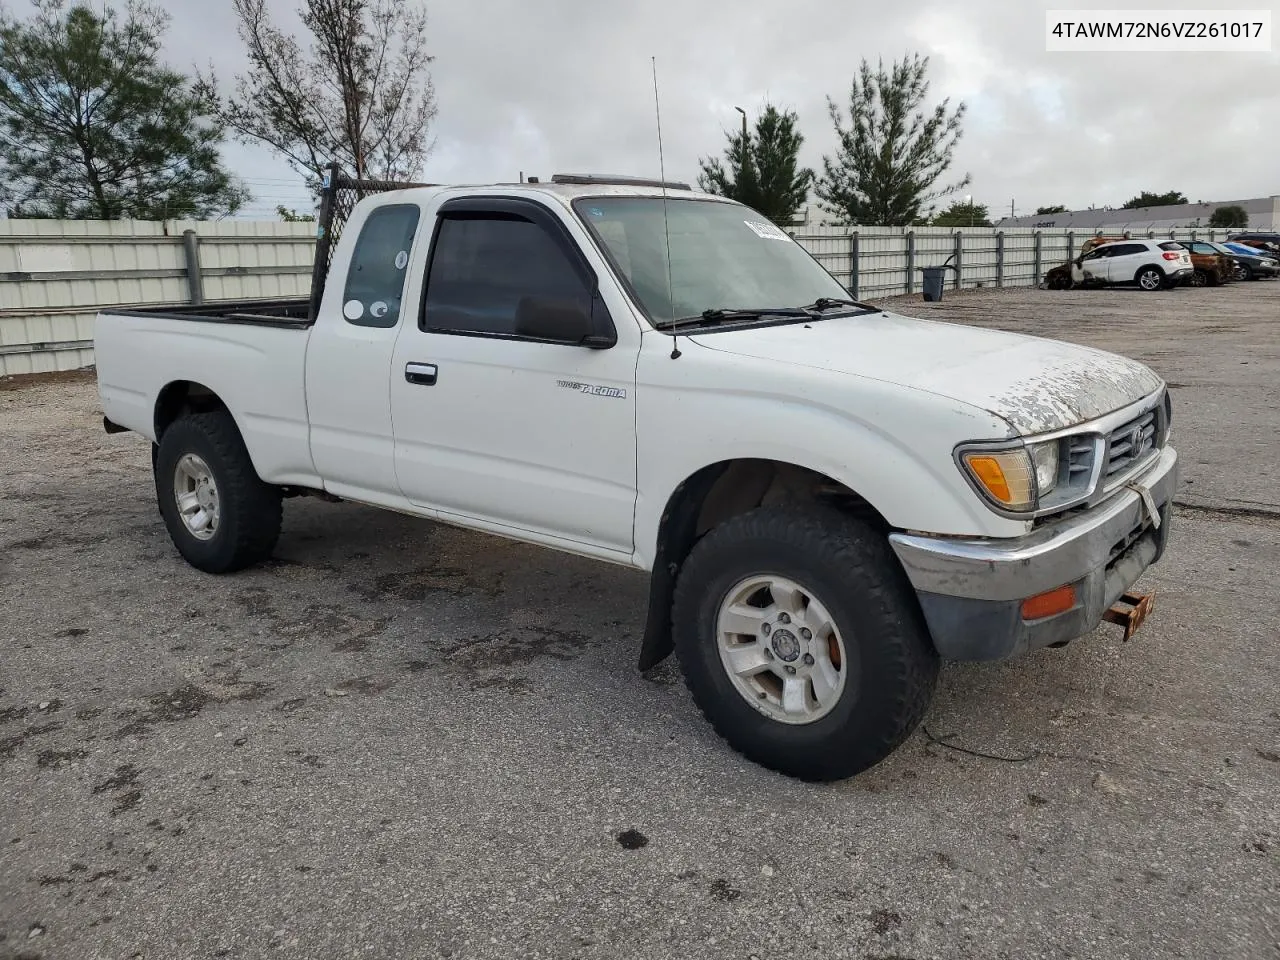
<point>358,602</point>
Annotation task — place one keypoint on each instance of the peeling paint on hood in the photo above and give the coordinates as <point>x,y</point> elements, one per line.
<point>1033,383</point>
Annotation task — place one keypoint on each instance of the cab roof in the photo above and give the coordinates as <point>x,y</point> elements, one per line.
<point>567,187</point>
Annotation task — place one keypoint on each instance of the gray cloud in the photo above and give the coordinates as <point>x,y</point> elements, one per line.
<point>565,85</point>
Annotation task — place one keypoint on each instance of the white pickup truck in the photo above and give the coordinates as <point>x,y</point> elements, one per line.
<point>830,498</point>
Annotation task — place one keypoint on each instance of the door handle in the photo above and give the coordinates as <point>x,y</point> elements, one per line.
<point>423,374</point>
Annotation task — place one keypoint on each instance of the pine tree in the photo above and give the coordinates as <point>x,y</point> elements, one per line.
<point>94,126</point>
<point>893,152</point>
<point>770,178</point>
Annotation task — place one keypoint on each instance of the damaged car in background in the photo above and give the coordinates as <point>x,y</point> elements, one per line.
<point>1104,262</point>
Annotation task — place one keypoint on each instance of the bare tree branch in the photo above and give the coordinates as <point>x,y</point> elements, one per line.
<point>361,95</point>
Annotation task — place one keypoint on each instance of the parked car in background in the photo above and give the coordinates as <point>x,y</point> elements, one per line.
<point>1147,264</point>
<point>1268,243</point>
<point>1211,267</point>
<point>1251,263</point>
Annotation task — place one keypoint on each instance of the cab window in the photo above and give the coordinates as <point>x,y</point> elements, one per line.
<point>483,267</point>
<point>379,262</point>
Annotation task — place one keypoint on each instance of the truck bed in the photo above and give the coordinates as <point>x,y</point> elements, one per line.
<point>250,354</point>
<point>292,313</point>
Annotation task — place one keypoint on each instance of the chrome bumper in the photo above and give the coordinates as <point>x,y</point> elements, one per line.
<point>971,590</point>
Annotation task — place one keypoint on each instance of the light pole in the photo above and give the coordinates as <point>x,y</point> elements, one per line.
<point>744,136</point>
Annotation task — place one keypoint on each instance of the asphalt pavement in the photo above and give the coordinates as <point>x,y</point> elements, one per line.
<point>399,739</point>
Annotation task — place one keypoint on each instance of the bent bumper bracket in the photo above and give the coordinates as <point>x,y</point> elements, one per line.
<point>1130,611</point>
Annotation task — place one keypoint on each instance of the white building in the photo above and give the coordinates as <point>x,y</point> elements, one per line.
<point>1264,215</point>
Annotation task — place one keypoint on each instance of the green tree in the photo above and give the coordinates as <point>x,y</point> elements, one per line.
<point>1232,215</point>
<point>963,214</point>
<point>1043,211</point>
<point>360,94</point>
<point>770,179</point>
<point>894,150</point>
<point>1148,199</point>
<point>289,215</point>
<point>94,126</point>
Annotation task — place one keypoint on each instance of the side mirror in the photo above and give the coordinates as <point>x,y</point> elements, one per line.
<point>559,320</point>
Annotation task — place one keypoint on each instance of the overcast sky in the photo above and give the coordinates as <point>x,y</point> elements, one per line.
<point>565,86</point>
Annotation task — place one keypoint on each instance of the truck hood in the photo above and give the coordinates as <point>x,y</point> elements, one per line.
<point>1035,384</point>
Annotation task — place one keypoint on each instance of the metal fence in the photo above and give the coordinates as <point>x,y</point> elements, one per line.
<point>56,275</point>
<point>887,261</point>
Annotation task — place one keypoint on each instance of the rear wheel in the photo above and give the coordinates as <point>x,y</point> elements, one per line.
<point>1150,278</point>
<point>219,514</point>
<point>1198,278</point>
<point>802,642</point>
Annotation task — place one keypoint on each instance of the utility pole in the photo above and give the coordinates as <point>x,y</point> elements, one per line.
<point>744,135</point>
<point>1010,209</point>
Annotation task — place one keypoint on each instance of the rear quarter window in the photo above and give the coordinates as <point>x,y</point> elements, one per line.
<point>379,262</point>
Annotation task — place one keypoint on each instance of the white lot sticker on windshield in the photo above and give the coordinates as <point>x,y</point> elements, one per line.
<point>766,230</point>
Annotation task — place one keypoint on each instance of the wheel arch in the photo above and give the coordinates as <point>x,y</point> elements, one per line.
<point>180,397</point>
<point>713,494</point>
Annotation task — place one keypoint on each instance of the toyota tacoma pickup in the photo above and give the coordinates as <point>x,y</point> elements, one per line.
<point>829,498</point>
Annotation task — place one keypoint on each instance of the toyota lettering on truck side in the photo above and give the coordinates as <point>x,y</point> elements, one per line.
<point>829,498</point>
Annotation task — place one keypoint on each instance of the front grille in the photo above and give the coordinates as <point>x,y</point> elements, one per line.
<point>1080,453</point>
<point>1132,442</point>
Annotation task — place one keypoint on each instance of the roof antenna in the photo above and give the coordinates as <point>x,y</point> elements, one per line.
<point>666,229</point>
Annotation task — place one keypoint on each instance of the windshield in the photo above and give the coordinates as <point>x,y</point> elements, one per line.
<point>724,256</point>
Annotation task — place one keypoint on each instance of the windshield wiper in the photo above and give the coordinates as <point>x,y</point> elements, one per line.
<point>826,303</point>
<point>721,315</point>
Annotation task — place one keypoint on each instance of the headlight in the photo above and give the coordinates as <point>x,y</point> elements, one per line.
<point>1006,476</point>
<point>1016,479</point>
<point>1044,456</point>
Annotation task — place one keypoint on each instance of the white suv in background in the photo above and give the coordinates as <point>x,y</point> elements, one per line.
<point>1150,264</point>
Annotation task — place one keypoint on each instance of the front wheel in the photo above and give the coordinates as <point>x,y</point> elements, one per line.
<point>219,514</point>
<point>1198,278</point>
<point>1244,272</point>
<point>802,642</point>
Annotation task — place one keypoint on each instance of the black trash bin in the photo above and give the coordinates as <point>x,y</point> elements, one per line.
<point>934,277</point>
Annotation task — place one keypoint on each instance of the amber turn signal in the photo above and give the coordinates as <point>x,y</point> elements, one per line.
<point>1049,604</point>
<point>1007,476</point>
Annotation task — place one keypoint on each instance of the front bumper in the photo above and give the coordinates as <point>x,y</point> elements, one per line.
<point>971,590</point>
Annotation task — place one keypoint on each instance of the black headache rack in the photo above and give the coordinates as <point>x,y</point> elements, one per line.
<point>339,195</point>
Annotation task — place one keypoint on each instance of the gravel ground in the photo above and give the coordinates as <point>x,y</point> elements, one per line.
<point>402,740</point>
